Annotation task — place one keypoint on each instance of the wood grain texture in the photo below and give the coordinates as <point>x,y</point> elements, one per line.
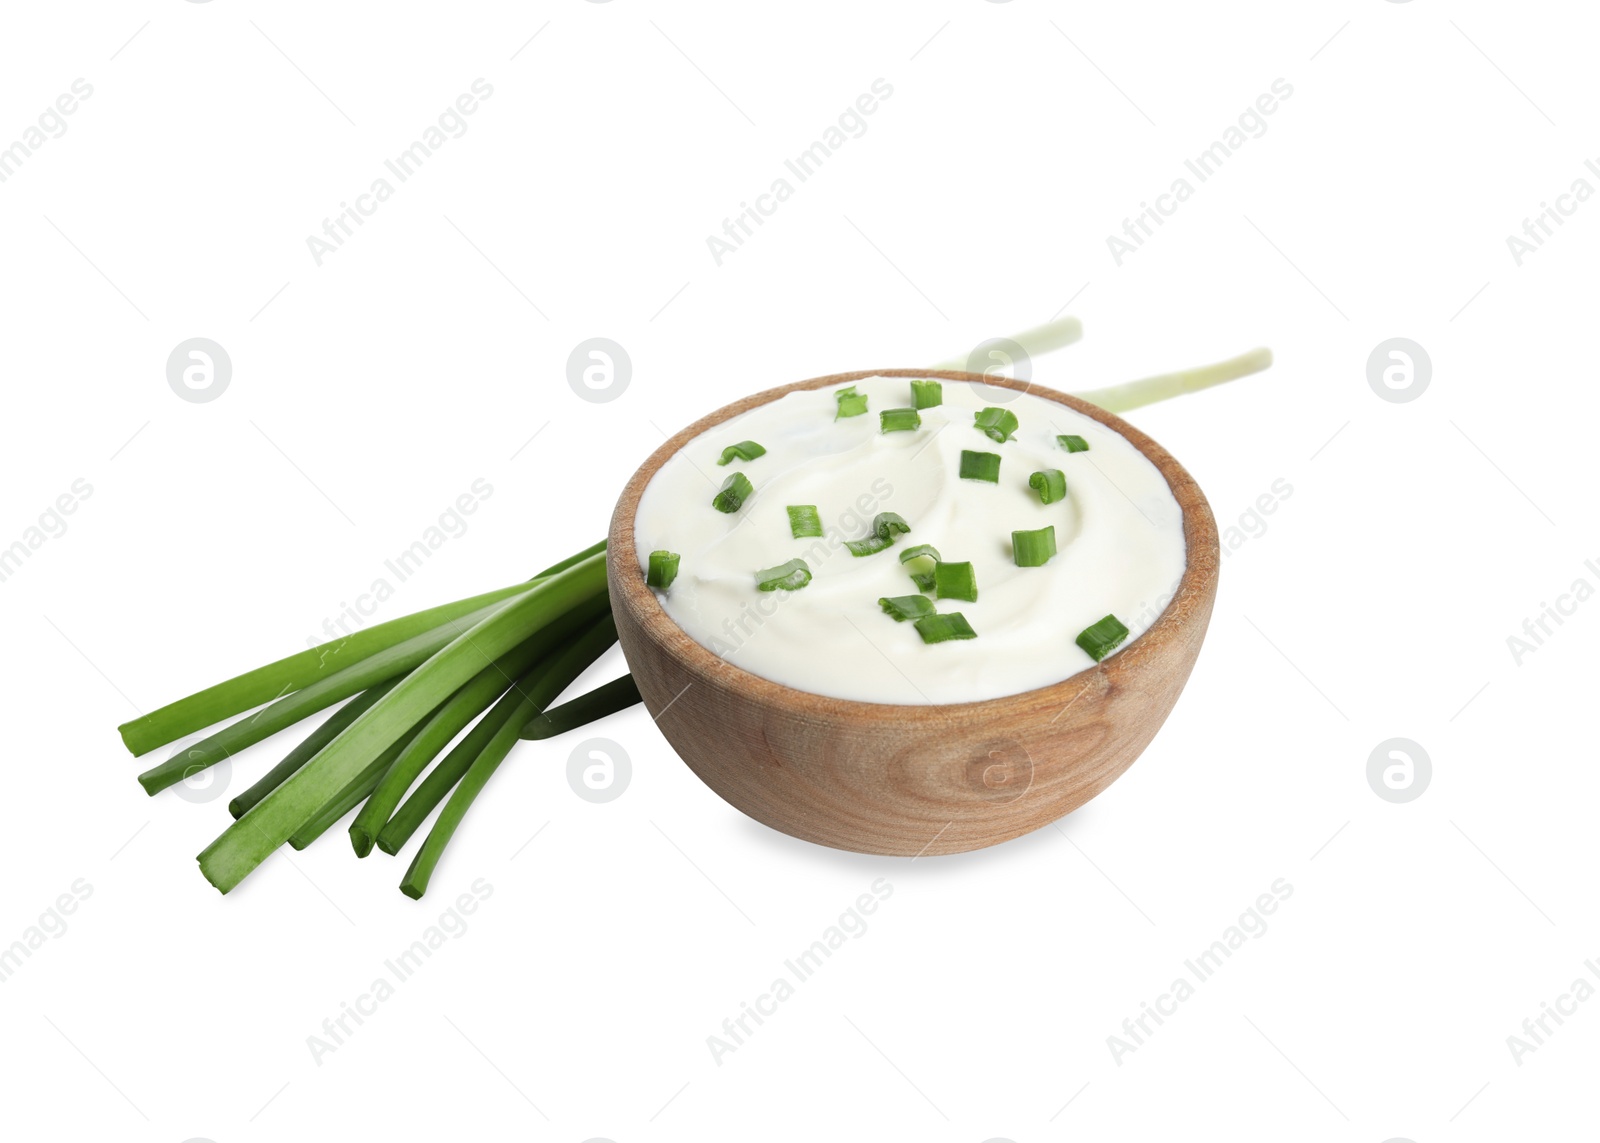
<point>910,780</point>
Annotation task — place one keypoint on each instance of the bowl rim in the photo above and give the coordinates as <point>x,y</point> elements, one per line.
<point>1196,587</point>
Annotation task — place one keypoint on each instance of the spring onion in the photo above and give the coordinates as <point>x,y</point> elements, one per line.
<point>998,424</point>
<point>980,466</point>
<point>899,420</point>
<point>1034,549</point>
<point>264,684</point>
<point>1072,442</point>
<point>942,628</point>
<point>452,718</point>
<point>354,793</point>
<point>956,581</point>
<point>251,839</point>
<point>1035,342</point>
<point>926,394</point>
<point>1050,484</point>
<point>791,576</point>
<point>663,569</point>
<point>903,607</point>
<point>330,814</point>
<point>533,693</point>
<point>1101,638</point>
<point>885,527</point>
<point>390,663</point>
<point>618,694</point>
<point>735,490</point>
<point>1135,394</point>
<point>744,450</point>
<point>851,403</point>
<point>436,787</point>
<point>804,521</point>
<point>577,558</point>
<point>308,749</point>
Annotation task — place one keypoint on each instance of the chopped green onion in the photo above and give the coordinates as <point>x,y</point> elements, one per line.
<point>663,569</point>
<point>899,420</point>
<point>804,521</point>
<point>956,581</point>
<point>889,524</point>
<point>1034,549</point>
<point>733,493</point>
<point>1072,443</point>
<point>942,628</point>
<point>851,403</point>
<point>870,546</point>
<point>995,423</point>
<point>885,526</point>
<point>1050,484</point>
<point>1102,638</point>
<point>791,576</point>
<point>903,607</point>
<point>744,450</point>
<point>926,394</point>
<point>980,466</point>
<point>923,580</point>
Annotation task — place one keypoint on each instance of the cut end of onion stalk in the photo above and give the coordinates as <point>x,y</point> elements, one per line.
<point>173,771</point>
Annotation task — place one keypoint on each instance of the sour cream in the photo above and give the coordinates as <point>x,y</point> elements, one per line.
<point>1119,538</point>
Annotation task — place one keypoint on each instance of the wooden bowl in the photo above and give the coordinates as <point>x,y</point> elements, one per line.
<point>910,780</point>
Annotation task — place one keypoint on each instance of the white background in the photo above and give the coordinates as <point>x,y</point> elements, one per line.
<point>369,392</point>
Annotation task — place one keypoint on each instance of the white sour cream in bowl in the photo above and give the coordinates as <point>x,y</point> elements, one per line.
<point>1117,531</point>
